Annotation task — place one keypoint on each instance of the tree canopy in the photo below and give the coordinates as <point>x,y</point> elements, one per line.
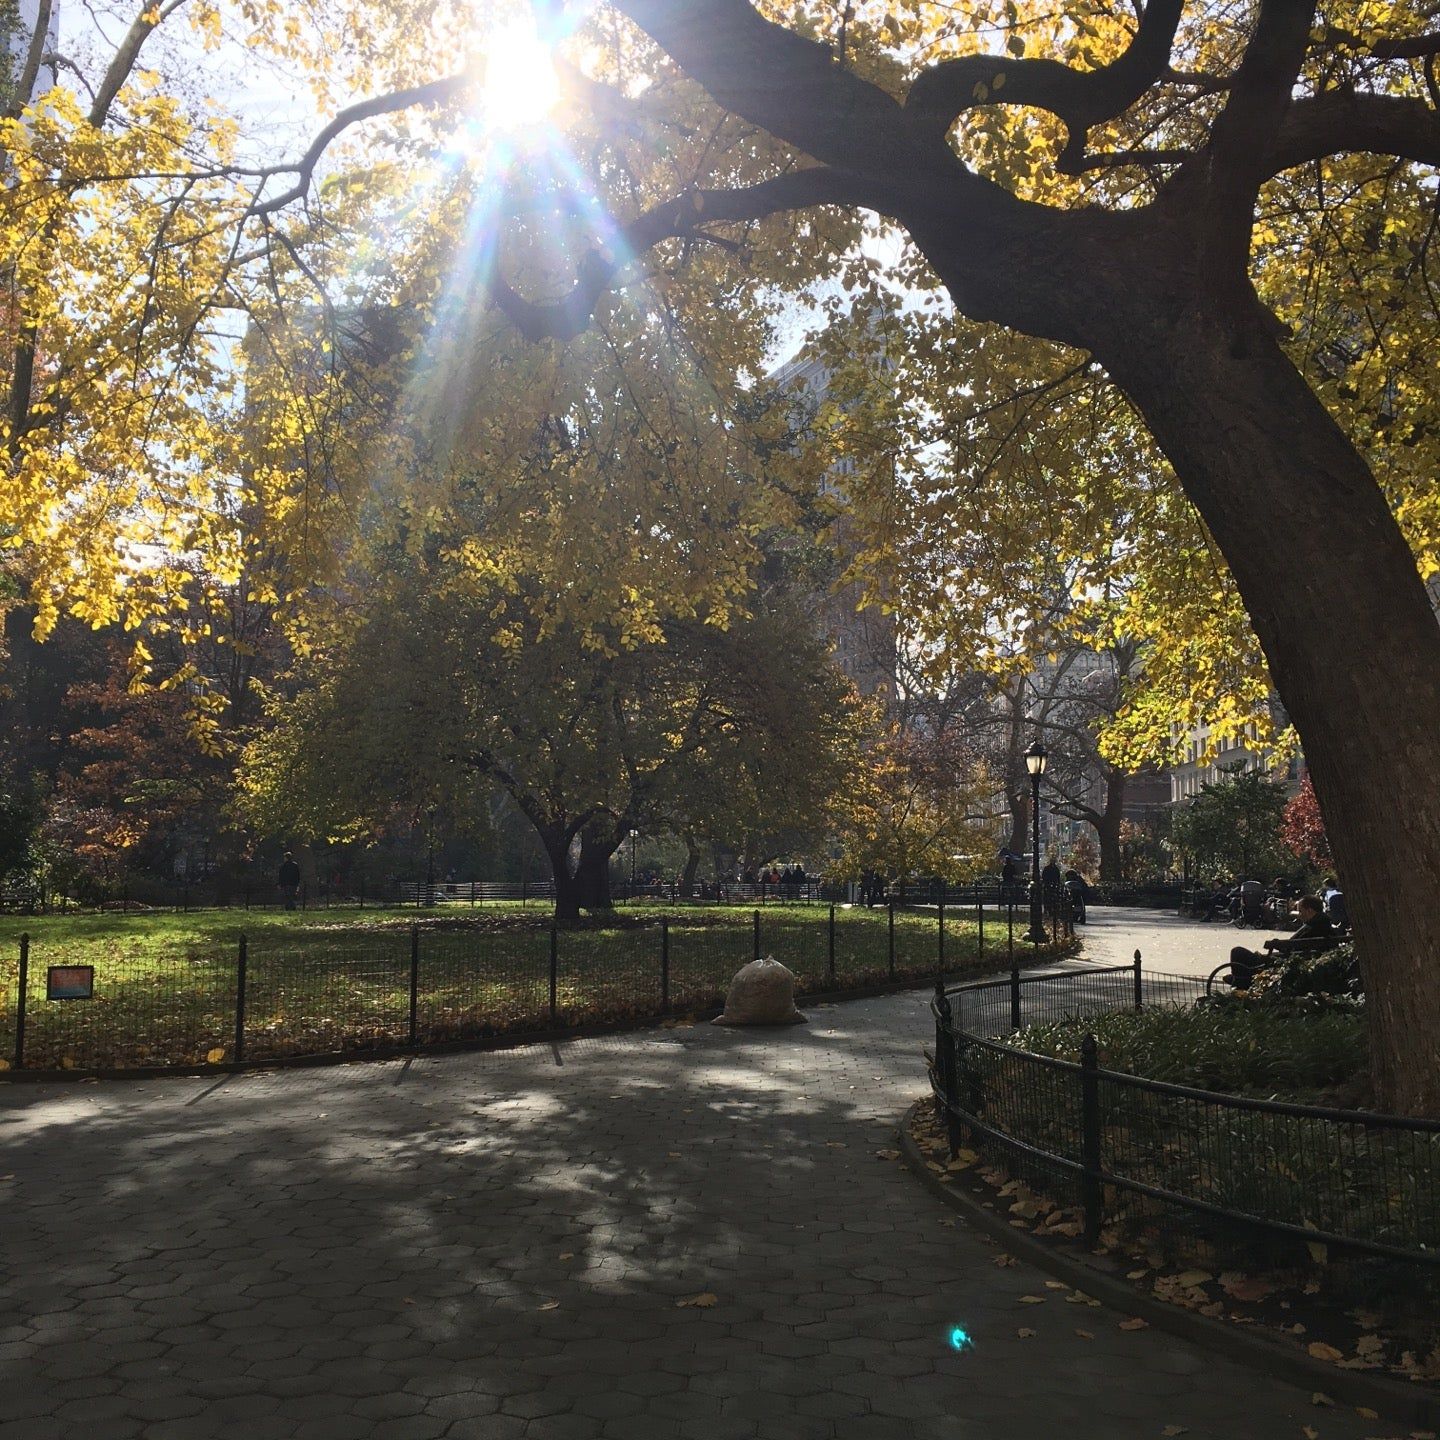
<point>1166,308</point>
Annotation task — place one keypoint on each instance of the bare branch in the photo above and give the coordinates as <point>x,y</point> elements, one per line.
<point>437,92</point>
<point>1081,98</point>
<point>1231,168</point>
<point>683,216</point>
<point>779,80</point>
<point>146,23</point>
<point>1410,47</point>
<point>30,71</point>
<point>1344,121</point>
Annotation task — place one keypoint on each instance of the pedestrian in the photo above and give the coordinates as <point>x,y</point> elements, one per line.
<point>1335,908</point>
<point>1007,878</point>
<point>289,878</point>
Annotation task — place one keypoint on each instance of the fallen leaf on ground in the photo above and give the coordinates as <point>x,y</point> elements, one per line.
<point>1247,1288</point>
<point>1056,1285</point>
<point>1310,1432</point>
<point>1190,1278</point>
<point>1366,1413</point>
<point>1322,1399</point>
<point>702,1301</point>
<point>567,1254</point>
<point>835,1144</point>
<point>214,1057</point>
<point>1025,1333</point>
<point>1321,1351</point>
<point>887,1154</point>
<point>1173,1430</point>
<point>1134,1323</point>
<point>1001,1260</point>
<point>1137,1274</point>
<point>550,1305</point>
<point>1084,1334</point>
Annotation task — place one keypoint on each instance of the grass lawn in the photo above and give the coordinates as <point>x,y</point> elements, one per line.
<point>332,980</point>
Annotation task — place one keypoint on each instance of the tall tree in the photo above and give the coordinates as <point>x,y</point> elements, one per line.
<point>989,163</point>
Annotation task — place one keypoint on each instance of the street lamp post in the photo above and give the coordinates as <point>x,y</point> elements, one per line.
<point>1035,758</point>
<point>634,838</point>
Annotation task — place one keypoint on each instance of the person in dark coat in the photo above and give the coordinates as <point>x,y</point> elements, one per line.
<point>1314,926</point>
<point>289,878</point>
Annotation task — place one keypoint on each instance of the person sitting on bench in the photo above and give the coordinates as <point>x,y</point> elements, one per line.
<point>1314,927</point>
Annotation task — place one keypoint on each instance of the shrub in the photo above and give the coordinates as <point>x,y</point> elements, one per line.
<point>1239,1047</point>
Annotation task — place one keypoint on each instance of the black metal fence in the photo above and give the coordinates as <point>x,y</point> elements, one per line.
<point>1101,1139</point>
<point>331,990</point>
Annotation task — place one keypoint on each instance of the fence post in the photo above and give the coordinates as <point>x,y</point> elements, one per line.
<point>1139,984</point>
<point>1010,930</point>
<point>755,945</point>
<point>831,961</point>
<point>945,1065</point>
<point>242,967</point>
<point>1093,1188</point>
<point>940,936</point>
<point>554,974</point>
<point>1014,995</point>
<point>664,962</point>
<point>980,925</point>
<point>20,1001</point>
<point>892,939</point>
<point>414,982</point>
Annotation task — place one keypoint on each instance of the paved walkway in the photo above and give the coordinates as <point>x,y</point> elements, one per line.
<point>1167,941</point>
<point>492,1247</point>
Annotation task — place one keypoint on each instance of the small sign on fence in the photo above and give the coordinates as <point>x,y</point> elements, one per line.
<point>70,982</point>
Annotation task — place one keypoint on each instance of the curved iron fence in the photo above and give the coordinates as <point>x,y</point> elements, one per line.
<point>292,992</point>
<point>1356,1180</point>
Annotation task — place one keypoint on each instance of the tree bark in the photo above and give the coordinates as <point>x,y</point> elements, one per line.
<point>1107,825</point>
<point>598,842</point>
<point>692,867</point>
<point>1352,641</point>
<point>567,889</point>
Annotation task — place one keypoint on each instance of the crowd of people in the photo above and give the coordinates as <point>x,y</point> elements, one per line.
<point>1251,902</point>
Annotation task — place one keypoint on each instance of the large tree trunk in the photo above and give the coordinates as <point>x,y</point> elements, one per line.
<point>567,888</point>
<point>598,842</point>
<point>1107,827</point>
<point>692,867</point>
<point>1336,600</point>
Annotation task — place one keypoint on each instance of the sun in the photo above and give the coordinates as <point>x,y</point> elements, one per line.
<point>520,86</point>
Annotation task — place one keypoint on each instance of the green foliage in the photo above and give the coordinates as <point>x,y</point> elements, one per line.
<point>1237,1049</point>
<point>1232,827</point>
<point>1333,973</point>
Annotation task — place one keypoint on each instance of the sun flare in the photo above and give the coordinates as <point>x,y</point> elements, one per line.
<point>520,85</point>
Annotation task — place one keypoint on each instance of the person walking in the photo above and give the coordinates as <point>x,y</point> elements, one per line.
<point>289,878</point>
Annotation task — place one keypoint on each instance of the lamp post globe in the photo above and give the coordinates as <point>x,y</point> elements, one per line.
<point>1035,758</point>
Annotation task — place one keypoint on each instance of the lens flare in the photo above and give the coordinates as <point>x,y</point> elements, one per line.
<point>521,85</point>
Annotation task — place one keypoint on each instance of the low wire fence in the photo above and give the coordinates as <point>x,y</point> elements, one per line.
<point>319,990</point>
<point>1120,1145</point>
